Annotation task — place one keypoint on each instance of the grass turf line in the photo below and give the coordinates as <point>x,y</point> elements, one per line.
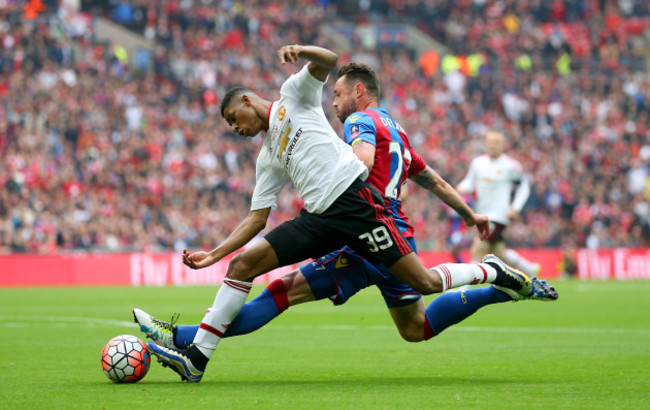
<point>588,350</point>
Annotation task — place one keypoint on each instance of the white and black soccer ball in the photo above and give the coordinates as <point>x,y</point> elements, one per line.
<point>125,359</point>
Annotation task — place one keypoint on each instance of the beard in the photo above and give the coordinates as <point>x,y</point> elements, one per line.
<point>347,108</point>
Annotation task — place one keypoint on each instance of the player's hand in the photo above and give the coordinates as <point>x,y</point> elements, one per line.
<point>289,54</point>
<point>512,214</point>
<point>197,260</point>
<point>482,223</point>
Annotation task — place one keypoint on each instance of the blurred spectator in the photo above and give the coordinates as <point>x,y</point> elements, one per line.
<point>568,266</point>
<point>101,156</point>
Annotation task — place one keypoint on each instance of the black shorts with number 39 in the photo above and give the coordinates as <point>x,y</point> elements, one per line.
<point>358,218</point>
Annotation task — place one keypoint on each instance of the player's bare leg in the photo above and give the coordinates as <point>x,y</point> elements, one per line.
<point>410,321</point>
<point>243,268</point>
<point>499,249</point>
<point>416,323</point>
<point>446,276</point>
<point>410,270</point>
<point>256,260</point>
<point>479,248</point>
<point>513,258</point>
<point>509,256</point>
<point>298,290</point>
<point>289,290</point>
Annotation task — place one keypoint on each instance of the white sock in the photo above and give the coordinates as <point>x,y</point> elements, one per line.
<point>228,302</point>
<point>512,258</point>
<point>459,274</point>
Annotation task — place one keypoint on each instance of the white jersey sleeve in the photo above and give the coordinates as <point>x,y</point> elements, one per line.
<point>301,147</point>
<point>304,87</point>
<point>268,185</point>
<point>521,194</point>
<point>468,184</point>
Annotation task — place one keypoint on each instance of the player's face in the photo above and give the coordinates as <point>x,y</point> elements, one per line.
<point>345,102</point>
<point>243,119</point>
<point>494,144</point>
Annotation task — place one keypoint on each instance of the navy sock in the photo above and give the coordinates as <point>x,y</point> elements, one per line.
<point>198,359</point>
<point>253,315</point>
<point>453,307</point>
<point>185,335</point>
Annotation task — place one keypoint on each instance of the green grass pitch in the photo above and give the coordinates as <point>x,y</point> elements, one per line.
<point>590,349</point>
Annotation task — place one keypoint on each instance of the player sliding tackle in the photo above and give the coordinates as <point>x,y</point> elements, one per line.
<point>340,209</point>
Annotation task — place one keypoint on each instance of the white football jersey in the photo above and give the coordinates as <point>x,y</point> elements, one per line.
<point>301,147</point>
<point>493,182</point>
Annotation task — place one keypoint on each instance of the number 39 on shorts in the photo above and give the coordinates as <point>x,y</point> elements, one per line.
<point>377,239</point>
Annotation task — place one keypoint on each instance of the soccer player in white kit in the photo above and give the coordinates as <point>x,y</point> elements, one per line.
<point>493,176</point>
<point>340,208</point>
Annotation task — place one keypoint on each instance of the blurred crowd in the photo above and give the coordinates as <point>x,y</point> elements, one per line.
<point>100,154</point>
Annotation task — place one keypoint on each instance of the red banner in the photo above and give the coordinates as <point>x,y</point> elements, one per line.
<point>88,269</point>
<point>167,269</point>
<point>617,263</point>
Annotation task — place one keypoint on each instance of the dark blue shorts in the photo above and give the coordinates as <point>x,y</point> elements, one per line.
<point>340,274</point>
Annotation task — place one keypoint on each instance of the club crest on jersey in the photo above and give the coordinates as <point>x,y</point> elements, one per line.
<point>355,130</point>
<point>281,113</point>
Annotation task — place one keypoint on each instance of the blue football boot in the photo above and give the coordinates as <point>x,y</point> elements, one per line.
<point>509,277</point>
<point>178,361</point>
<point>541,291</point>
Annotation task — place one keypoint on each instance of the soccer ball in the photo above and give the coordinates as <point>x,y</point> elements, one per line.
<point>125,359</point>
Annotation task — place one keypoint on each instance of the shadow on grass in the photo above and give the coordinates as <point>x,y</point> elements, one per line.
<point>357,382</point>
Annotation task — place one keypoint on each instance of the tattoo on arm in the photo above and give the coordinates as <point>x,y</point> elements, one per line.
<point>429,179</point>
<point>462,212</point>
<point>426,179</point>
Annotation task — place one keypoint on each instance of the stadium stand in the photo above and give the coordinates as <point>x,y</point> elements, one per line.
<point>107,150</point>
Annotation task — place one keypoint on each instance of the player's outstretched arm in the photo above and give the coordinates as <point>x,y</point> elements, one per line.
<point>243,233</point>
<point>321,60</point>
<point>430,180</point>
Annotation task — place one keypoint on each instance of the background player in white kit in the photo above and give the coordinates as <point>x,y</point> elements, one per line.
<point>493,176</point>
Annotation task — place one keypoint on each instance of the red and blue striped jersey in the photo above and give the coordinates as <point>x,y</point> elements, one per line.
<point>395,159</point>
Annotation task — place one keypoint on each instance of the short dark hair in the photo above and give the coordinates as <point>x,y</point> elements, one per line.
<point>361,73</point>
<point>231,95</point>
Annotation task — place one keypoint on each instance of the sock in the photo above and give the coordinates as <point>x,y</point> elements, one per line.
<point>515,260</point>
<point>185,335</point>
<point>227,304</point>
<point>459,274</point>
<point>253,315</point>
<point>453,307</point>
<point>198,359</point>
